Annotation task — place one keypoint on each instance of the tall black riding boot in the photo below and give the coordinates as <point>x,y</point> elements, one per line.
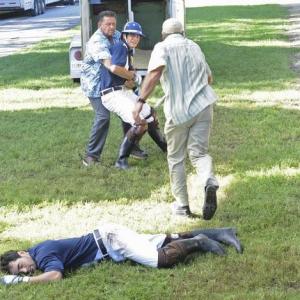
<point>157,136</point>
<point>125,127</point>
<point>223,235</point>
<point>178,250</point>
<point>124,153</point>
<point>136,151</point>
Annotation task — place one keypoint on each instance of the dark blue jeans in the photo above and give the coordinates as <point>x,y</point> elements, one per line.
<point>99,129</point>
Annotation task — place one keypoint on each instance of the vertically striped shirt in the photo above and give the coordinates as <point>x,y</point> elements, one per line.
<point>184,78</point>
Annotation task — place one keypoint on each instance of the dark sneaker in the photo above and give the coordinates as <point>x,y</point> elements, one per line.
<point>89,161</point>
<point>210,202</point>
<point>138,153</point>
<point>180,210</point>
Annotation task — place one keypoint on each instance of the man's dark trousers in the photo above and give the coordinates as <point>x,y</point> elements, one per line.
<point>99,129</point>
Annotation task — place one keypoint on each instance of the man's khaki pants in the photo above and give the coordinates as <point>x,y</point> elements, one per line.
<point>191,137</point>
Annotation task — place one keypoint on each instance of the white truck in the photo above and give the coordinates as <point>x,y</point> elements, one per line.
<point>149,13</point>
<point>33,7</point>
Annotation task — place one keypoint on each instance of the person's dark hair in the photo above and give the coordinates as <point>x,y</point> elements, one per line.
<point>6,258</point>
<point>106,13</point>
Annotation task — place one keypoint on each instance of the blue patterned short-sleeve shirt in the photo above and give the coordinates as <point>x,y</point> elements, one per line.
<point>97,49</point>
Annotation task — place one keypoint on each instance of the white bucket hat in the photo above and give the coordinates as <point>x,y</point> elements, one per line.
<point>172,25</point>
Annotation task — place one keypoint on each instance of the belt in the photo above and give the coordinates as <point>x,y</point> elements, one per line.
<point>112,89</point>
<point>99,242</point>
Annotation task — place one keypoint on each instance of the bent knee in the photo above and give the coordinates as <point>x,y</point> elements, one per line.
<point>197,153</point>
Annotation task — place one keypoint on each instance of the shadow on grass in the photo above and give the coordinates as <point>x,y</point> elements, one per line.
<point>217,14</point>
<point>222,33</point>
<point>40,160</point>
<point>254,68</point>
<point>3,226</point>
<point>265,210</point>
<point>214,28</point>
<point>13,244</point>
<point>249,70</point>
<point>245,139</point>
<point>44,66</point>
<point>265,206</point>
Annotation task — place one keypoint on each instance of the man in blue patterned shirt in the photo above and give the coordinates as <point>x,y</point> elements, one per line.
<point>97,50</point>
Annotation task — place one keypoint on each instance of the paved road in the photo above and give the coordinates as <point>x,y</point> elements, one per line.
<point>20,31</point>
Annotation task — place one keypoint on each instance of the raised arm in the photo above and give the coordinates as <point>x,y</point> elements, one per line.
<point>150,82</point>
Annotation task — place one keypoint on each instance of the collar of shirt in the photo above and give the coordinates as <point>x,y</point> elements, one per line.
<point>130,54</point>
<point>174,36</point>
<point>116,36</point>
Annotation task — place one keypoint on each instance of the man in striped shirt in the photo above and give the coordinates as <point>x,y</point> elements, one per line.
<point>185,77</point>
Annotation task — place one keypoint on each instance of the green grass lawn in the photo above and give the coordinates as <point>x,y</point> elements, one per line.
<point>45,192</point>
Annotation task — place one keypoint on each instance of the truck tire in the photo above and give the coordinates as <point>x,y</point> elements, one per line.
<point>43,5</point>
<point>39,3</point>
<point>35,11</point>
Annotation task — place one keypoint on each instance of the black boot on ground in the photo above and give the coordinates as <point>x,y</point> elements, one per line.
<point>157,136</point>
<point>206,244</point>
<point>136,151</point>
<point>222,235</point>
<point>124,153</point>
<point>177,251</point>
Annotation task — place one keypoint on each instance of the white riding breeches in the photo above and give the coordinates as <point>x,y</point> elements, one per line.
<point>123,243</point>
<point>122,103</point>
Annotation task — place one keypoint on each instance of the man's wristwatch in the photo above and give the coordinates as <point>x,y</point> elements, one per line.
<point>141,100</point>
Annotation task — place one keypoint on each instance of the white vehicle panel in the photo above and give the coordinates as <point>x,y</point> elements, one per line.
<point>28,4</point>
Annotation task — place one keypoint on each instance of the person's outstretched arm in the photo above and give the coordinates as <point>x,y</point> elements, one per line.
<point>45,277</point>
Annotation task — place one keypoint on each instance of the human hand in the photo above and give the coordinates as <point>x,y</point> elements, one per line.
<point>136,112</point>
<point>137,79</point>
<point>129,84</point>
<point>13,279</point>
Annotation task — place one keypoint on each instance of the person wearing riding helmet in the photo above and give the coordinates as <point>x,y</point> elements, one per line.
<point>118,96</point>
<point>96,50</point>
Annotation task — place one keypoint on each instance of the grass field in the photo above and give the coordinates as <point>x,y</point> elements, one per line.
<point>45,192</point>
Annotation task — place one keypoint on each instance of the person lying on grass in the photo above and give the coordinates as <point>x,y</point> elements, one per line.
<point>115,242</point>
